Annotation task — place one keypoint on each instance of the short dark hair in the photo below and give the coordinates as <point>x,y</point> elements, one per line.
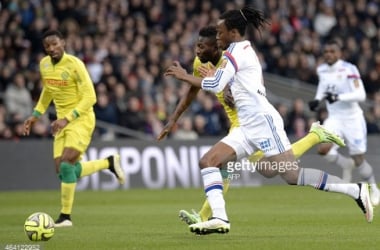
<point>208,31</point>
<point>52,33</point>
<point>336,42</point>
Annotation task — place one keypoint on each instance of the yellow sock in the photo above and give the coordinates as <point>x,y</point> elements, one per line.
<point>67,197</point>
<point>205,211</point>
<point>304,144</point>
<point>90,167</point>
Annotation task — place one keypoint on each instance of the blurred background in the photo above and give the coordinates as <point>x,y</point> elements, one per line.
<point>127,45</point>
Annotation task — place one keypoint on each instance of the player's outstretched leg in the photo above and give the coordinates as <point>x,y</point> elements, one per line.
<point>189,218</point>
<point>323,181</point>
<point>115,168</point>
<point>214,225</point>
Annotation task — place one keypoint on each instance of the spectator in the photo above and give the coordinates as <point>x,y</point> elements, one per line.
<point>18,100</point>
<point>297,120</point>
<point>132,43</point>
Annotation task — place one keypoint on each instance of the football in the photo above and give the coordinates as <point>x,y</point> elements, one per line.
<point>39,227</point>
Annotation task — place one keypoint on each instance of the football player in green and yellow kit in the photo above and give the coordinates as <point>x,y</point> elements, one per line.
<point>67,83</point>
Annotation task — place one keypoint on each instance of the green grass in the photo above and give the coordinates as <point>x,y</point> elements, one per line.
<point>271,217</point>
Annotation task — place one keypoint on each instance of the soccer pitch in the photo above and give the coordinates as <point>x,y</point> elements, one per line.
<point>270,217</point>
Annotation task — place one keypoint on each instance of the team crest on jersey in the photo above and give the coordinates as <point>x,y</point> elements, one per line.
<point>65,75</point>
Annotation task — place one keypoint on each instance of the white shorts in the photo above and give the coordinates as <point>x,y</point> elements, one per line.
<point>353,131</point>
<point>265,133</point>
<point>235,140</point>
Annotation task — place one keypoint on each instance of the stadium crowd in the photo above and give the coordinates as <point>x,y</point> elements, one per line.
<point>126,46</point>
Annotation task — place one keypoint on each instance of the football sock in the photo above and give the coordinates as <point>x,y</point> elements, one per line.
<point>366,172</point>
<point>334,156</point>
<point>205,211</point>
<point>68,177</point>
<point>304,144</point>
<point>323,181</point>
<point>90,167</point>
<point>67,197</point>
<point>213,186</point>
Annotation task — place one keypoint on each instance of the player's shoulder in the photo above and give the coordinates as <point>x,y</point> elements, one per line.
<point>72,58</point>
<point>349,66</point>
<point>322,68</point>
<point>44,60</point>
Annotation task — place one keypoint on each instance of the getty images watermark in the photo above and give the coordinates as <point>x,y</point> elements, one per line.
<point>234,169</point>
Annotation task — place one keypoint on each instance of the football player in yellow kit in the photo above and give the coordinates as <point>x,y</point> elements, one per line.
<point>208,55</point>
<point>67,83</point>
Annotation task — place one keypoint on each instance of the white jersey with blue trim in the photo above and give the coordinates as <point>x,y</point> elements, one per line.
<point>242,70</point>
<point>342,78</point>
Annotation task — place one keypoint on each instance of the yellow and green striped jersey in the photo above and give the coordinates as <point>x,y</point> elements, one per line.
<point>68,85</point>
<point>231,113</point>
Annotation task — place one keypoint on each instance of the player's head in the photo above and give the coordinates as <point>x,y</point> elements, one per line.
<point>54,44</point>
<point>206,48</point>
<point>233,23</point>
<point>332,51</point>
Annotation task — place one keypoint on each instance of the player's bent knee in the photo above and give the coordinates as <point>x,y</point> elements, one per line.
<point>67,173</point>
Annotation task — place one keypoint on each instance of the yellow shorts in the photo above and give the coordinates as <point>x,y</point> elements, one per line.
<point>77,134</point>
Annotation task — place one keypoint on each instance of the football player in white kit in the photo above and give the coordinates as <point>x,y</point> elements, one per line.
<point>342,88</point>
<point>261,126</point>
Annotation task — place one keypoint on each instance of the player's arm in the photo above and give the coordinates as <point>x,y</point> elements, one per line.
<point>41,107</point>
<point>222,76</point>
<point>86,92</point>
<point>357,93</point>
<point>180,73</point>
<point>184,103</point>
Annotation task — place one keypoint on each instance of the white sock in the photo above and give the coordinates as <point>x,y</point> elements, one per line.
<point>323,181</point>
<point>213,186</point>
<point>339,159</point>
<point>366,172</point>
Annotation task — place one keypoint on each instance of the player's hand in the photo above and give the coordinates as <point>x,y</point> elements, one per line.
<point>330,97</point>
<point>228,98</point>
<point>207,70</point>
<point>313,105</point>
<point>28,124</point>
<point>176,71</point>
<point>58,125</point>
<point>166,130</point>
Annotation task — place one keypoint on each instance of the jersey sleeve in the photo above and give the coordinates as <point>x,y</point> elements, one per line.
<point>223,75</point>
<point>357,92</point>
<point>320,88</point>
<point>43,102</point>
<point>45,98</point>
<point>85,88</point>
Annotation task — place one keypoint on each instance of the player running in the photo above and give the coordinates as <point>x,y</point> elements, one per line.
<point>67,83</point>
<point>208,53</point>
<point>342,88</point>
